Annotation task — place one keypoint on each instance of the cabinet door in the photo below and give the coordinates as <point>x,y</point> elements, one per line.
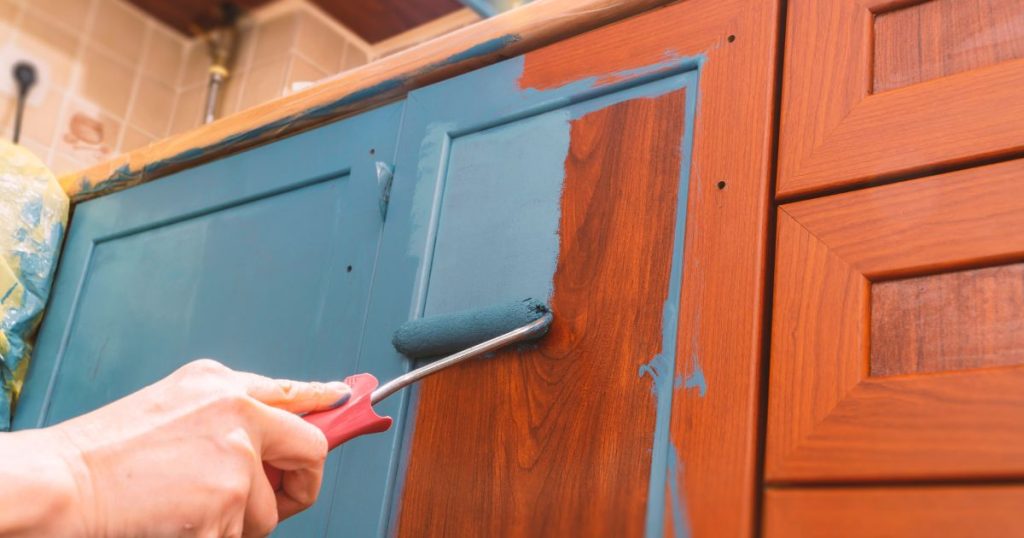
<point>898,332</point>
<point>262,260</point>
<point>590,174</point>
<point>876,89</point>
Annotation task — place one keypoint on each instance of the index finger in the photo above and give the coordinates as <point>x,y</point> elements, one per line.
<point>295,396</point>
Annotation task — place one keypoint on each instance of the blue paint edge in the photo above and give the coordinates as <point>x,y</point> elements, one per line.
<point>666,468</point>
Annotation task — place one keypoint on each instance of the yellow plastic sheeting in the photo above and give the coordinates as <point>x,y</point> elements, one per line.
<point>33,214</point>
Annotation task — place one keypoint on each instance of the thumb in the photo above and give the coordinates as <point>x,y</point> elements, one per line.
<point>296,396</point>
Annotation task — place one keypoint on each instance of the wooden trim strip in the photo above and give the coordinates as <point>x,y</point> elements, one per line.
<point>509,34</point>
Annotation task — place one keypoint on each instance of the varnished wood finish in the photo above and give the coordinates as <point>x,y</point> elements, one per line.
<point>720,312</point>
<point>827,419</point>
<point>376,20</point>
<point>835,133</point>
<point>511,33</point>
<point>939,38</point>
<point>953,321</point>
<point>935,512</point>
<point>556,440</point>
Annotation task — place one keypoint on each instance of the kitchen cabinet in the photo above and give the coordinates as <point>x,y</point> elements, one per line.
<point>894,404</point>
<point>609,174</point>
<point>621,174</point>
<point>262,260</point>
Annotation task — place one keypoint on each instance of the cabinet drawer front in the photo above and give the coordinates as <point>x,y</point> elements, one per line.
<point>874,89</point>
<point>896,339</point>
<point>935,512</point>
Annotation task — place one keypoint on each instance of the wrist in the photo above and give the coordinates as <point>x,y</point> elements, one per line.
<point>51,484</point>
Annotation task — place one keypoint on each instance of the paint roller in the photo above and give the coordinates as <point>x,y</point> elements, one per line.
<point>462,335</point>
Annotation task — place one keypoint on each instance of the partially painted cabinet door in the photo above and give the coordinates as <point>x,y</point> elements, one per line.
<point>568,175</point>
<point>262,260</point>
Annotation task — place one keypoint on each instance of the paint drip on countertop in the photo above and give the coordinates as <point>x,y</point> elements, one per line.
<point>33,214</point>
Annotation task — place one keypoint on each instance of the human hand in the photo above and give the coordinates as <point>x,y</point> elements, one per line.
<point>185,455</point>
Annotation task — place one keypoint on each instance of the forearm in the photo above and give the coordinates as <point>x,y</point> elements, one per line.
<point>38,486</point>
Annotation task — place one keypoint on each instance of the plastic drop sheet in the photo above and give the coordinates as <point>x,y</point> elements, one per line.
<point>33,214</point>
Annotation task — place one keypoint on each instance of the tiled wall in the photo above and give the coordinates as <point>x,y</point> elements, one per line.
<point>113,79</point>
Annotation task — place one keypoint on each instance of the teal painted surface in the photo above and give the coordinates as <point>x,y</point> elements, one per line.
<point>245,260</point>
<point>478,184</point>
<point>444,334</point>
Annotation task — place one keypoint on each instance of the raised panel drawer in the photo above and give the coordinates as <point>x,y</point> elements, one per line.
<point>896,338</point>
<point>877,89</point>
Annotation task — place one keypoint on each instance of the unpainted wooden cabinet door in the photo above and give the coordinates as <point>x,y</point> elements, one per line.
<point>621,176</point>
<point>879,89</point>
<point>263,260</point>
<point>898,332</point>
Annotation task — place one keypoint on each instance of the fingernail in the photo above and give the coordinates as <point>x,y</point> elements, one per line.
<point>348,393</point>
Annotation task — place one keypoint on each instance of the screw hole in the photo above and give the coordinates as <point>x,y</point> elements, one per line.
<point>721,185</point>
<point>731,38</point>
<point>348,269</point>
<point>372,151</point>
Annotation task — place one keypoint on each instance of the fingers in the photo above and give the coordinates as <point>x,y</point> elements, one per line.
<point>261,512</point>
<point>299,450</point>
<point>299,490</point>
<point>295,396</point>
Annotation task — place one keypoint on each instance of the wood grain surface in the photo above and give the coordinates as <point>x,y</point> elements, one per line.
<point>953,321</point>
<point>935,512</point>
<point>560,439</point>
<point>939,38</point>
<point>835,133</point>
<point>828,420</point>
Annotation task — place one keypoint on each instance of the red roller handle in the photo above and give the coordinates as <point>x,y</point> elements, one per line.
<point>356,417</point>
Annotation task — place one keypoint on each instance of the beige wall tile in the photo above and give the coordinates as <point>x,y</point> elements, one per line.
<point>302,71</point>
<point>71,14</point>
<point>105,82</point>
<point>56,37</point>
<point>197,62</point>
<point>152,107</point>
<point>9,11</point>
<point>119,29</point>
<point>232,92</point>
<point>164,55</point>
<point>319,43</point>
<point>353,57</point>
<point>62,163</point>
<point>39,149</point>
<point>87,133</point>
<point>6,116</point>
<point>133,139</point>
<point>274,38</point>
<point>56,67</point>
<point>189,108</point>
<point>264,82</point>
<point>40,119</point>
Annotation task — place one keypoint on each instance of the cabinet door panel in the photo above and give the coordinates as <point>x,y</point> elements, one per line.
<point>895,345</point>
<point>568,175</point>
<point>876,89</point>
<point>263,261</point>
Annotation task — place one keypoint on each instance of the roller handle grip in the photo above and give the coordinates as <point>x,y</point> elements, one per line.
<point>353,419</point>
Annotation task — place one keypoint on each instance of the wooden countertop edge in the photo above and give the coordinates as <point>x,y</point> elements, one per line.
<point>387,79</point>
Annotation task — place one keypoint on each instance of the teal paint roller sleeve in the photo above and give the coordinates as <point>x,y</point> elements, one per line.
<point>472,332</point>
<point>440,335</point>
